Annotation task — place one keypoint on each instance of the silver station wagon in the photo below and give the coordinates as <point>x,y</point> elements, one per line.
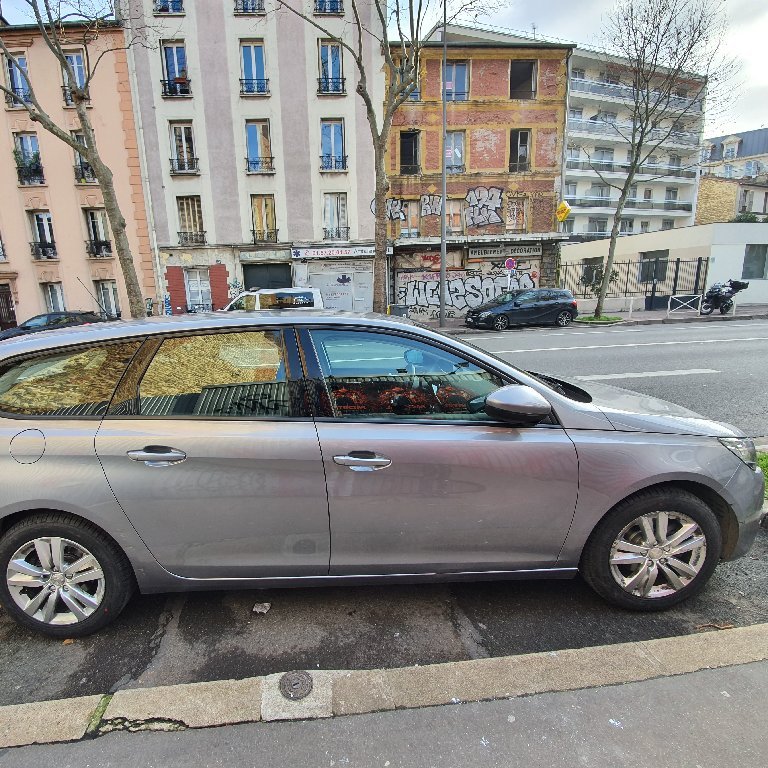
<point>308,448</point>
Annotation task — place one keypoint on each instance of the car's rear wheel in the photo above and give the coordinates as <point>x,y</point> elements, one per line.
<point>653,551</point>
<point>62,575</point>
<point>500,323</point>
<point>563,318</point>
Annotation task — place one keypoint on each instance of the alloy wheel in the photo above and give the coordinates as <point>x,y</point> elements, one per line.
<point>563,319</point>
<point>501,323</point>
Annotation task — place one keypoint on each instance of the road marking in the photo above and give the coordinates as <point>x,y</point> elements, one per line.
<point>638,344</point>
<point>644,374</point>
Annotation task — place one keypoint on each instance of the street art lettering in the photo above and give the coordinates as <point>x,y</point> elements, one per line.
<point>431,205</point>
<point>396,209</point>
<point>483,206</point>
<point>235,288</point>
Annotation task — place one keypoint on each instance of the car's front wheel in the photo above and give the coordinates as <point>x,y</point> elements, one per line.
<point>653,551</point>
<point>62,575</point>
<point>500,323</point>
<point>563,318</point>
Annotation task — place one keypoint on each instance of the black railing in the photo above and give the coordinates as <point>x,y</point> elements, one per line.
<point>179,86</point>
<point>84,174</point>
<point>336,233</point>
<point>30,174</point>
<point>333,162</point>
<point>98,249</point>
<point>184,165</point>
<point>520,167</point>
<point>331,84</point>
<point>610,202</point>
<point>264,235</point>
<point>454,168</point>
<point>249,6</point>
<point>169,6</point>
<point>19,98</point>
<point>192,237</point>
<point>259,164</point>
<point>43,251</point>
<point>410,169</point>
<point>329,6</point>
<point>254,87</point>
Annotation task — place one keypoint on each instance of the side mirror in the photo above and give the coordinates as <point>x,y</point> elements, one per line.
<point>517,404</point>
<point>515,303</point>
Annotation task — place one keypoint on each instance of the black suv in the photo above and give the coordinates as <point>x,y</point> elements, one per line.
<point>52,320</point>
<point>537,306</point>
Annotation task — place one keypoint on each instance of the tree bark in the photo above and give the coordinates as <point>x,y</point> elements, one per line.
<point>380,271</point>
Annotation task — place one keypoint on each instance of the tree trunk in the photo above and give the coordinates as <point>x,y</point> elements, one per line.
<point>137,307</point>
<point>380,271</point>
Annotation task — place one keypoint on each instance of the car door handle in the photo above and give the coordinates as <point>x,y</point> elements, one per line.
<point>363,461</point>
<point>157,455</point>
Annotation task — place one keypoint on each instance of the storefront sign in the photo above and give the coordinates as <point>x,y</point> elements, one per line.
<point>267,255</point>
<point>339,252</point>
<point>502,252</point>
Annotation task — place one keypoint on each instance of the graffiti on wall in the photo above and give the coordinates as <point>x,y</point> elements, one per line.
<point>483,206</point>
<point>466,289</point>
<point>431,205</point>
<point>396,210</point>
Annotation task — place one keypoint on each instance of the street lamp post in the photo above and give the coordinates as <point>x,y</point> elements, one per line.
<point>443,249</point>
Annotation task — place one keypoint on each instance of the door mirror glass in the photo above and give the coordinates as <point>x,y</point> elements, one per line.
<point>518,405</point>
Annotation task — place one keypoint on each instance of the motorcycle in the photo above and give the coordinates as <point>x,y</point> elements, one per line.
<point>720,296</point>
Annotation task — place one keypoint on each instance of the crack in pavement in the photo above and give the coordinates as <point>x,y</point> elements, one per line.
<point>134,726</point>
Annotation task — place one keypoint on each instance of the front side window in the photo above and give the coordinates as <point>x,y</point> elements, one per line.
<point>755,265</point>
<point>253,78</point>
<point>519,150</point>
<point>457,81</point>
<point>232,375</point>
<point>381,376</point>
<point>522,80</point>
<point>69,384</point>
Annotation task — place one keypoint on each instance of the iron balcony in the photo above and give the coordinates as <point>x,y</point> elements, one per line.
<point>69,99</point>
<point>520,167</point>
<point>43,251</point>
<point>329,6</point>
<point>184,165</point>
<point>98,249</point>
<point>331,85</point>
<point>336,233</point>
<point>30,174</point>
<point>333,162</point>
<point>264,235</point>
<point>249,6</point>
<point>192,237</point>
<point>84,173</point>
<point>254,87</point>
<point>18,97</point>
<point>169,6</point>
<point>178,87</point>
<point>259,165</point>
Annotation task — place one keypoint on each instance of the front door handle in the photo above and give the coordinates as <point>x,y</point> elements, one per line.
<point>157,455</point>
<point>362,461</point>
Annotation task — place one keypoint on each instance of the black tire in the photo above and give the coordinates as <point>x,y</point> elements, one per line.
<point>706,308</point>
<point>595,562</point>
<point>726,308</point>
<point>500,323</point>
<point>563,318</point>
<point>119,582</point>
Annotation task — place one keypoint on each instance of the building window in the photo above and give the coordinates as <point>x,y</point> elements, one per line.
<point>626,226</point>
<point>603,155</point>
<point>457,81</point>
<point>409,226</point>
<point>567,226</point>
<point>191,229</point>
<point>249,6</point>
<point>522,80</point>
<point>454,219</point>
<point>183,158</point>
<point>600,192</point>
<point>576,113</point>
<point>653,266</point>
<point>516,214</point>
<point>53,296</point>
<point>332,156</point>
<point>331,78</point>
<point>335,225</point>
<point>43,245</point>
<point>730,152</point>
<point>106,293</point>
<point>98,243</point>
<point>675,161</point>
<point>169,6</point>
<point>198,287</point>
<point>670,194</point>
<point>573,152</point>
<point>645,226</point>
<point>84,173</point>
<point>610,77</point>
<point>26,152</point>
<point>77,65</point>
<point>728,171</point>
<point>648,195</point>
<point>590,270</point>
<point>578,73</point>
<point>597,225</point>
<point>176,82</point>
<point>253,78</point>
<point>569,189</point>
<point>17,83</point>
<point>334,7</point>
<point>454,152</point>
<point>755,265</point>
<point>519,150</point>
<point>606,117</point>
<point>258,147</point>
<point>667,223</point>
<point>409,153</point>
<point>263,212</point>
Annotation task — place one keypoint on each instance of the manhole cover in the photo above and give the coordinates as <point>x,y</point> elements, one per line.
<point>296,685</point>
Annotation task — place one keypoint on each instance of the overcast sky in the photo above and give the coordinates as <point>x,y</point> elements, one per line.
<point>581,20</point>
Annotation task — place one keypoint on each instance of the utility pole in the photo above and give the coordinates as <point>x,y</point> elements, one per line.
<point>443,249</point>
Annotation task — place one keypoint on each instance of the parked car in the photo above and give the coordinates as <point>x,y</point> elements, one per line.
<point>277,298</point>
<point>51,320</point>
<point>284,448</point>
<point>537,306</point>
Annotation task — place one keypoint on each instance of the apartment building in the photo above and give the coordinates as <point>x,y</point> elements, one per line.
<point>741,155</point>
<point>257,152</point>
<point>506,103</point>
<point>599,118</point>
<point>55,244</point>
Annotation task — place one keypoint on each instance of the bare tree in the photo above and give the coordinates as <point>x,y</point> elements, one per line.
<point>667,55</point>
<point>400,28</point>
<point>62,24</point>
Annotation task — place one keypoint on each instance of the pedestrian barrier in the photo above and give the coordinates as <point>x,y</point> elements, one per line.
<point>684,302</point>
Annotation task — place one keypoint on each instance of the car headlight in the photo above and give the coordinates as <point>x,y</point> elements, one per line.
<point>742,447</point>
<point>484,314</point>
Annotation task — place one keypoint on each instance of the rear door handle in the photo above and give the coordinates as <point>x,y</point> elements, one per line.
<point>362,461</point>
<point>157,455</point>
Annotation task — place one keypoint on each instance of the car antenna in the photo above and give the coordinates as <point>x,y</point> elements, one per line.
<point>103,308</point>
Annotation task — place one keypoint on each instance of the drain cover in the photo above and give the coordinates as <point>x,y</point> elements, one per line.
<point>296,685</point>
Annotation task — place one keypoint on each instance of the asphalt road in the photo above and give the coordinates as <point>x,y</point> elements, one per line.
<point>162,640</point>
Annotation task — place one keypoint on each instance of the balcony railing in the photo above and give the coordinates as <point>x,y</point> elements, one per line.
<point>184,165</point>
<point>410,169</point>
<point>254,87</point>
<point>610,202</point>
<point>29,174</point>
<point>619,131</point>
<point>329,6</point>
<point>249,6</point>
<point>336,233</point>
<point>43,251</point>
<point>259,165</point>
<point>84,174</point>
<point>169,6</point>
<point>619,91</point>
<point>608,166</point>
<point>192,237</point>
<point>177,88</point>
<point>69,99</point>
<point>20,97</point>
<point>520,167</point>
<point>333,162</point>
<point>455,168</point>
<point>264,235</point>
<point>331,84</point>
<point>98,249</point>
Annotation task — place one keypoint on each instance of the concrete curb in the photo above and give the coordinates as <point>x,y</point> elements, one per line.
<point>336,693</point>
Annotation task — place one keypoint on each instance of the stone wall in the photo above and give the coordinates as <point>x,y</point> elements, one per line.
<point>717,200</point>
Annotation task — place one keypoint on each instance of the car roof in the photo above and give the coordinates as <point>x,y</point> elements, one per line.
<point>201,321</point>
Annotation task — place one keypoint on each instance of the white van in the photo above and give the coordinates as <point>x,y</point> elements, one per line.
<point>277,298</point>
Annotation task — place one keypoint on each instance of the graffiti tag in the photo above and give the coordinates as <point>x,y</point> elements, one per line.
<point>431,205</point>
<point>483,206</point>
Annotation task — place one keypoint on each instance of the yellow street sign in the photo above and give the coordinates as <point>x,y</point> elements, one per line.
<point>562,211</point>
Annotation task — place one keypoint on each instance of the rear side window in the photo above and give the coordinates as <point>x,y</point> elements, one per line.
<point>74,383</point>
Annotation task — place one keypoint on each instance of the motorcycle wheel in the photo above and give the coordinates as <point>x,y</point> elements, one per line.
<point>706,308</point>
<point>726,308</point>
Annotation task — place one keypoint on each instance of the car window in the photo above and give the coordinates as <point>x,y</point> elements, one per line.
<point>223,374</point>
<point>67,384</point>
<point>280,299</point>
<point>54,320</point>
<point>35,322</point>
<point>239,303</point>
<point>380,375</point>
<point>527,297</point>
<point>503,298</point>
